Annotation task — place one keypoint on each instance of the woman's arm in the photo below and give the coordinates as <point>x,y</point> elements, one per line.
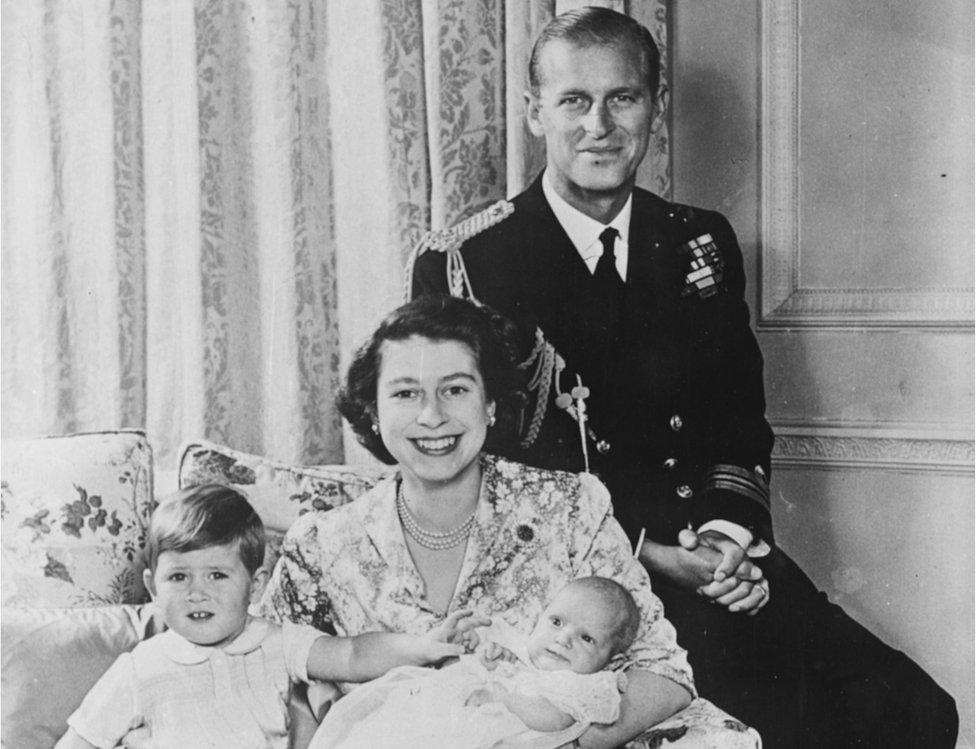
<point>648,700</point>
<point>659,678</point>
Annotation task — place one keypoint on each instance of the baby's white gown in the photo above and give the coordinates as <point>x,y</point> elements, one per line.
<point>420,708</point>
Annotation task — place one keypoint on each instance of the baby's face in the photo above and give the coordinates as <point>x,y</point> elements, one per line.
<point>574,633</point>
<point>204,594</point>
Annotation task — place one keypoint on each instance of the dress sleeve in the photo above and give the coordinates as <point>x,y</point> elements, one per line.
<point>109,710</point>
<point>605,551</point>
<point>295,592</point>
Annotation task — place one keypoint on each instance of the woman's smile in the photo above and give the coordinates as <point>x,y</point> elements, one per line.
<point>436,445</point>
<point>431,409</point>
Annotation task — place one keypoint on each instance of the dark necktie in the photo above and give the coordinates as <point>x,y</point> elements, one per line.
<point>605,273</point>
<point>609,290</point>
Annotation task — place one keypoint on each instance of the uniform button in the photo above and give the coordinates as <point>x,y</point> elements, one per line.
<point>760,472</point>
<point>603,447</point>
<point>669,464</point>
<point>676,423</point>
<point>684,491</point>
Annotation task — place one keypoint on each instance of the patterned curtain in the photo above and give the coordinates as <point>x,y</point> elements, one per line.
<point>207,205</point>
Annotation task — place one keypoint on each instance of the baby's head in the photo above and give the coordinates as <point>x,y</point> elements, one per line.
<point>205,548</point>
<point>588,622</point>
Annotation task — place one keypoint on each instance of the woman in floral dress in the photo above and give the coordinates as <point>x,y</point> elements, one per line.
<point>455,527</point>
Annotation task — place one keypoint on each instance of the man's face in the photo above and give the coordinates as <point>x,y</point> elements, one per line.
<point>595,109</point>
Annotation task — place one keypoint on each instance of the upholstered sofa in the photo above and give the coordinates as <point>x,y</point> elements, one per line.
<point>73,517</point>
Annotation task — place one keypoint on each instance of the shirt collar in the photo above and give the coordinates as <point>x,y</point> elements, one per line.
<point>583,231</point>
<point>183,651</point>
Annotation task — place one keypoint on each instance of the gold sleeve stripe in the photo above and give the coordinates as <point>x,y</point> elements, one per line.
<point>739,480</point>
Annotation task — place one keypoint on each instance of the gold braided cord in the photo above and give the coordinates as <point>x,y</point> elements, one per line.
<point>541,381</point>
<point>450,241</point>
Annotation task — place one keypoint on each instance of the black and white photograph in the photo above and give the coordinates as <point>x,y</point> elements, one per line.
<point>460,374</point>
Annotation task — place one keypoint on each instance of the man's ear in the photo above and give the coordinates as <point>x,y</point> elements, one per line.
<point>532,114</point>
<point>661,106</point>
<point>149,582</point>
<point>258,580</point>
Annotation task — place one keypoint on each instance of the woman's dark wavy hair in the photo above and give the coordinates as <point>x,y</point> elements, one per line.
<point>596,26</point>
<point>490,337</point>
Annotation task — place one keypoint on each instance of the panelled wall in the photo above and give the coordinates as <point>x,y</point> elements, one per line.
<point>838,139</point>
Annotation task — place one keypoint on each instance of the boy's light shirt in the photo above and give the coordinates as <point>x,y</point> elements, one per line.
<point>255,631</point>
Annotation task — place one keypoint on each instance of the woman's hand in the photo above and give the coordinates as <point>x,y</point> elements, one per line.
<point>459,628</point>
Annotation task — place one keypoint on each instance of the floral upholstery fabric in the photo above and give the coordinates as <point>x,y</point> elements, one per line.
<point>73,513</point>
<point>280,492</point>
<point>701,725</point>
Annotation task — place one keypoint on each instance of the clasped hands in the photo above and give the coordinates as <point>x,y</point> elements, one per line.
<point>717,568</point>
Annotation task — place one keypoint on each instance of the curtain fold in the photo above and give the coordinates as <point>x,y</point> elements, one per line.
<point>207,205</point>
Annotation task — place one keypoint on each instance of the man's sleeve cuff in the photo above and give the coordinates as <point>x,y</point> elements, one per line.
<point>750,484</point>
<point>755,548</point>
<point>736,532</point>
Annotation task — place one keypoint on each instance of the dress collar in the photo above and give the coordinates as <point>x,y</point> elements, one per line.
<point>181,650</point>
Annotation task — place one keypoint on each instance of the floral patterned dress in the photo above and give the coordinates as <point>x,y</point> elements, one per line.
<point>349,569</point>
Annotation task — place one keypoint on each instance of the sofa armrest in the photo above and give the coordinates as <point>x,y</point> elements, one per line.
<point>701,725</point>
<point>51,657</point>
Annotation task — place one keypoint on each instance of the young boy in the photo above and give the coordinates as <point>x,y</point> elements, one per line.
<point>219,677</point>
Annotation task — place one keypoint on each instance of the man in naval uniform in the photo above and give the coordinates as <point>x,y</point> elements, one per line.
<point>644,369</point>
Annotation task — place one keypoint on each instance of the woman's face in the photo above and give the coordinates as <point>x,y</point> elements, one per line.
<point>432,409</point>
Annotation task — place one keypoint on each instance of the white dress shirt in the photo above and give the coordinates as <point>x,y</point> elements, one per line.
<point>584,232</point>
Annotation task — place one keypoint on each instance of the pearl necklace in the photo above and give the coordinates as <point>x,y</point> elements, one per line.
<point>433,540</point>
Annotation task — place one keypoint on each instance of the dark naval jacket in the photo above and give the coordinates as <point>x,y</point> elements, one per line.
<point>676,402</point>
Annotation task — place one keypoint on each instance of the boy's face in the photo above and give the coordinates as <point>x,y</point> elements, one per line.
<point>575,633</point>
<point>204,594</point>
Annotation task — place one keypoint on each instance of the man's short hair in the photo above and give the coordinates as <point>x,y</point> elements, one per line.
<point>615,598</point>
<point>592,26</point>
<point>205,516</point>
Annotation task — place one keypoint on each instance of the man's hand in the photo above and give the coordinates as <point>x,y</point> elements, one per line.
<point>459,628</point>
<point>699,560</point>
<point>736,582</point>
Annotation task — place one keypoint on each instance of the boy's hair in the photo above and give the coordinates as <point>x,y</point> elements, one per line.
<point>615,597</point>
<point>205,516</point>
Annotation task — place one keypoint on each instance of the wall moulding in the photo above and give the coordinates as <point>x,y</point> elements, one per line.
<point>784,302</point>
<point>904,448</point>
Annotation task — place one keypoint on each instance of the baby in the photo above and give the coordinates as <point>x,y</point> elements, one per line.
<point>217,676</point>
<point>544,693</point>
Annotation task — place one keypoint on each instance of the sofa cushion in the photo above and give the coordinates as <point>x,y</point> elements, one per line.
<point>52,657</point>
<point>74,511</point>
<point>279,491</point>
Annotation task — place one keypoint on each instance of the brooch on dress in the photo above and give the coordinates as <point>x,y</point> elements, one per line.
<point>706,266</point>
